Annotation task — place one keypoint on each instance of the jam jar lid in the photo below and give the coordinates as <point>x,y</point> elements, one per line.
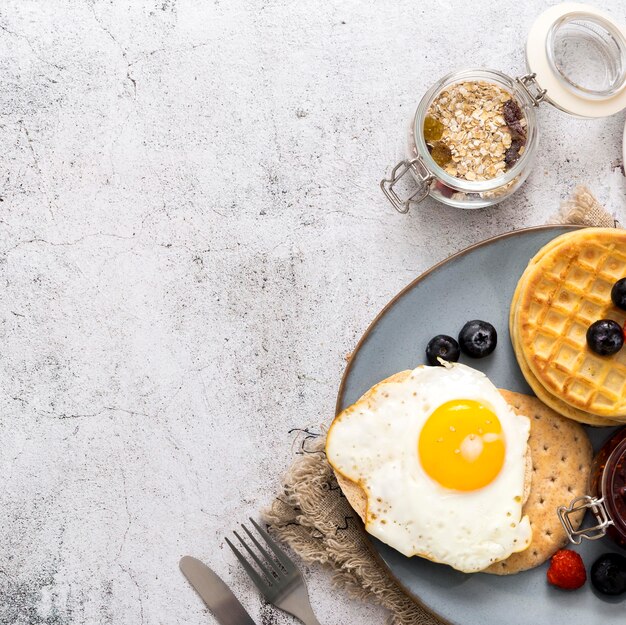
<point>577,56</point>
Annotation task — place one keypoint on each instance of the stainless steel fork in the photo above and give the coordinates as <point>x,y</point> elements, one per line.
<point>278,579</point>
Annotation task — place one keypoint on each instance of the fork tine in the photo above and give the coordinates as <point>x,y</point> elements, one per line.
<point>267,571</point>
<point>265,553</point>
<point>261,584</point>
<point>280,554</point>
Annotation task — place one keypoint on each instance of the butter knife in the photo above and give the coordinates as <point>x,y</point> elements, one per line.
<point>218,597</point>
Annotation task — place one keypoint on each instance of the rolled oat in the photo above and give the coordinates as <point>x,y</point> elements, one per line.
<point>483,130</point>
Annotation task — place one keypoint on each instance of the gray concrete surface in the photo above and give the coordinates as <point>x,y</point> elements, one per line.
<point>192,238</point>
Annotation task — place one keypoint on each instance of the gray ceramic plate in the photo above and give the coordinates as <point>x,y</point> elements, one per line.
<point>477,283</point>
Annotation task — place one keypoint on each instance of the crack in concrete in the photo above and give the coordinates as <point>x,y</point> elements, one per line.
<point>132,578</point>
<point>133,237</point>
<point>132,80</point>
<point>117,138</point>
<point>147,55</point>
<point>38,167</point>
<point>63,415</point>
<point>129,523</point>
<point>123,51</point>
<point>68,243</point>
<point>90,415</point>
<point>30,45</point>
<point>131,412</point>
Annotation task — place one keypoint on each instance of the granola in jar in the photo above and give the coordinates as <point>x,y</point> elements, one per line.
<point>475,130</point>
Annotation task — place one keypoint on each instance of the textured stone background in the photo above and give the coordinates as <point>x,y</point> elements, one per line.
<point>192,238</point>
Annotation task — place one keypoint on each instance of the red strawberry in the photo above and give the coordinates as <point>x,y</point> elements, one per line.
<point>567,570</point>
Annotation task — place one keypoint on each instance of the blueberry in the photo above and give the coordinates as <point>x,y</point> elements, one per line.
<point>442,346</point>
<point>478,338</point>
<point>608,574</point>
<point>605,337</point>
<point>618,293</point>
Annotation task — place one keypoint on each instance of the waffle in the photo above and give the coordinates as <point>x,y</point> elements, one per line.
<point>549,400</point>
<point>565,288</point>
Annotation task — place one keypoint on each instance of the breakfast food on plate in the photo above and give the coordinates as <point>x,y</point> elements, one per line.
<point>444,347</point>
<point>605,337</point>
<point>561,458</point>
<point>478,338</point>
<point>442,459</point>
<point>548,399</point>
<point>608,574</point>
<point>567,570</point>
<point>438,463</point>
<point>618,294</point>
<point>568,286</point>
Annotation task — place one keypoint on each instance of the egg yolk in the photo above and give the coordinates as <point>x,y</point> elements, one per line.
<point>461,445</point>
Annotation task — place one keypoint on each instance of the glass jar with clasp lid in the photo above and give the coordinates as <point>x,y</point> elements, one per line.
<point>607,496</point>
<point>473,138</point>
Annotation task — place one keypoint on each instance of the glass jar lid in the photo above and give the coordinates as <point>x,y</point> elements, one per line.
<point>578,56</point>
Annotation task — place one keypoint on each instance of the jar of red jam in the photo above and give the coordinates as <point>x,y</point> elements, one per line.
<point>607,501</point>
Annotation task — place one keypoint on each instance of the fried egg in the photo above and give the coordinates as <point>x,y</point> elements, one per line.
<point>441,457</point>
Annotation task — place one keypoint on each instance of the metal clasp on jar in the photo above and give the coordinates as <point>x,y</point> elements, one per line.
<point>423,176</point>
<point>585,502</point>
<point>528,82</point>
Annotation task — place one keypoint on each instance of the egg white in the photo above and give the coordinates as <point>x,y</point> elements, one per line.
<point>375,443</point>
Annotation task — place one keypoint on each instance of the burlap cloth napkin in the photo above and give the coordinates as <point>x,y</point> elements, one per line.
<point>313,517</point>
